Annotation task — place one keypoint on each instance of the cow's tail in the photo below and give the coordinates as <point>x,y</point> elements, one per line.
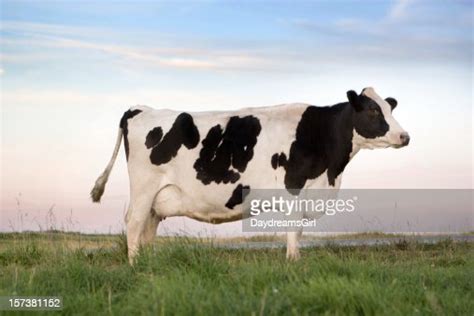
<point>98,190</point>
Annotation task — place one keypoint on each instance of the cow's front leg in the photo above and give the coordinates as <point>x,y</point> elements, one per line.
<point>292,245</point>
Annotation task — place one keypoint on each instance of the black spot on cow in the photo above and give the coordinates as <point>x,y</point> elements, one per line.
<point>278,160</point>
<point>124,126</point>
<point>238,196</point>
<point>323,142</point>
<point>214,161</point>
<point>183,132</point>
<point>153,137</point>
<point>224,151</point>
<point>274,161</point>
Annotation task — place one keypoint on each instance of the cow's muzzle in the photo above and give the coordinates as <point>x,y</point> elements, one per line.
<point>404,139</point>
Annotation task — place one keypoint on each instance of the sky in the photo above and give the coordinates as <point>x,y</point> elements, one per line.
<point>69,69</point>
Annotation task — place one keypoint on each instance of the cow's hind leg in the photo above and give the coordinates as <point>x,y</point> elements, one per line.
<point>151,225</point>
<point>137,216</point>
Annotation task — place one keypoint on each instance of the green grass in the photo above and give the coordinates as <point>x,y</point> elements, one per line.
<point>188,277</point>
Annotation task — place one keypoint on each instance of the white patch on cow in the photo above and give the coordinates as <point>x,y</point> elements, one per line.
<point>361,142</point>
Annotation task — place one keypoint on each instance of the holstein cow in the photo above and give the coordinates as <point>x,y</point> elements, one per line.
<point>197,164</point>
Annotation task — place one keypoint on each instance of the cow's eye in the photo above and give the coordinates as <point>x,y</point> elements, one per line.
<point>373,112</point>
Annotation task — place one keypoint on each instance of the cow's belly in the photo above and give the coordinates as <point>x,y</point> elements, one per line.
<point>173,200</point>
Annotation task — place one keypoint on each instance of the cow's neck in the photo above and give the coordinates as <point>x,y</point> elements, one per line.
<point>323,144</point>
<point>342,148</point>
<point>357,142</point>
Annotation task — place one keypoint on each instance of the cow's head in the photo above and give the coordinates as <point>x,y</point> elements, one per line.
<point>374,125</point>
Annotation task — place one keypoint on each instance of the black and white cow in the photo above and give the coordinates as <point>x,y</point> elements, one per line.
<point>197,164</point>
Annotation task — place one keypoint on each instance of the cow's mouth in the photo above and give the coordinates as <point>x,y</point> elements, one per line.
<point>397,146</point>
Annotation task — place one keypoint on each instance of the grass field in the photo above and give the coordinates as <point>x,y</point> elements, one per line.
<point>196,277</point>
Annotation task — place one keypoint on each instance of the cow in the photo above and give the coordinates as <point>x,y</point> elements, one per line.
<point>198,164</point>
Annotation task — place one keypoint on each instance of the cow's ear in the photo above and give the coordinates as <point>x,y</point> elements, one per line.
<point>354,100</point>
<point>393,103</point>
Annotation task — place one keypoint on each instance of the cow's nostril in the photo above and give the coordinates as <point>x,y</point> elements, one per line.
<point>404,138</point>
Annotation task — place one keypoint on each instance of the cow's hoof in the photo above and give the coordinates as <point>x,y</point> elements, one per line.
<point>293,255</point>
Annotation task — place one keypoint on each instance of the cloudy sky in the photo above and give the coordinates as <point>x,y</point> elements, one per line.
<point>69,69</point>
